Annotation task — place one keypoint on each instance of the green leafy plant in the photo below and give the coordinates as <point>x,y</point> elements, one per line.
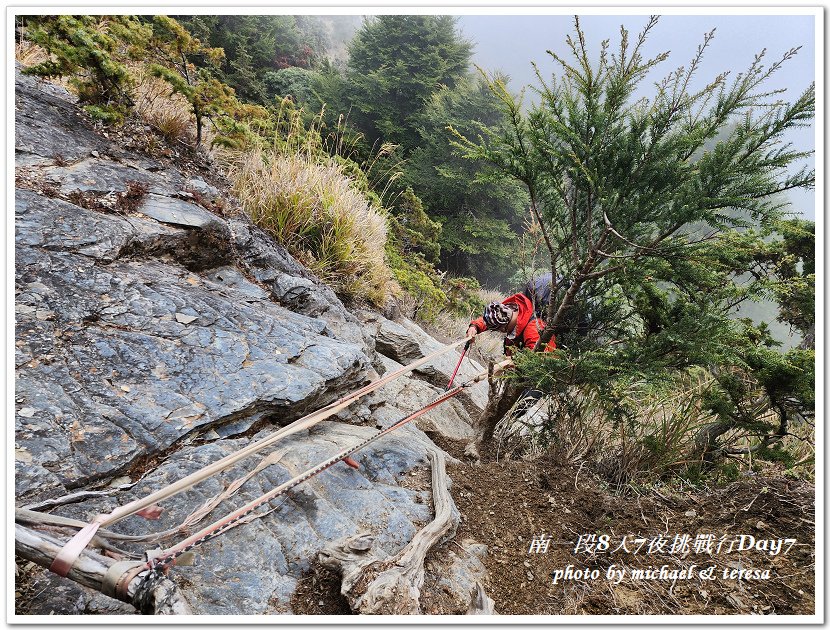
<point>660,209</point>
<point>171,51</point>
<point>91,51</point>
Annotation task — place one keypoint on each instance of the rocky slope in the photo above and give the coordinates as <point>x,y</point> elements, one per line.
<point>158,330</point>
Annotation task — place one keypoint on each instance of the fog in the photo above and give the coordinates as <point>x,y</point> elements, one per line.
<point>511,42</point>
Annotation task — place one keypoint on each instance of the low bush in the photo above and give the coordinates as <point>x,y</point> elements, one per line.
<point>313,210</point>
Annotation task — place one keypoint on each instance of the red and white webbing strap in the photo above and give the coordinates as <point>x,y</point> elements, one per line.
<point>70,552</point>
<point>168,557</point>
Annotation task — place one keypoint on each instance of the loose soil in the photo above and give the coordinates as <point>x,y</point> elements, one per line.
<point>508,504</point>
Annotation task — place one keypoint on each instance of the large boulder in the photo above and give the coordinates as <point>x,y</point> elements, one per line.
<point>404,342</point>
<point>254,568</point>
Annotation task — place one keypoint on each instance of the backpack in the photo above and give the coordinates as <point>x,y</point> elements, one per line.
<point>538,290</point>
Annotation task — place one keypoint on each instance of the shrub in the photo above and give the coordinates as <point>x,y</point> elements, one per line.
<point>414,231</point>
<point>313,210</point>
<point>92,51</point>
<point>465,297</point>
<point>420,296</point>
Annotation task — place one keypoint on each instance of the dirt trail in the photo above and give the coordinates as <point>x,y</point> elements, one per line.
<point>508,504</point>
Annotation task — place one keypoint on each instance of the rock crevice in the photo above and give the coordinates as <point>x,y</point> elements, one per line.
<point>154,336</point>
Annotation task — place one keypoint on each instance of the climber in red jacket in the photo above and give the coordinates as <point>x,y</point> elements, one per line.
<point>514,317</point>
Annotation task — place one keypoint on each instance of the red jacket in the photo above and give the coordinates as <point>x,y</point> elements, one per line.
<point>527,326</point>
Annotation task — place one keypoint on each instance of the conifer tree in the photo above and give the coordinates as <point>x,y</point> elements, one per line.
<point>481,211</point>
<point>660,208</point>
<point>92,51</point>
<point>395,64</point>
<point>171,52</point>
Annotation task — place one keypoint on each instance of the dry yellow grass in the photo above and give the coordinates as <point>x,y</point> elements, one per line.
<point>29,54</point>
<point>155,102</point>
<point>316,213</point>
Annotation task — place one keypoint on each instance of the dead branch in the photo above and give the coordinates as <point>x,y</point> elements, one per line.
<point>158,596</point>
<point>376,584</point>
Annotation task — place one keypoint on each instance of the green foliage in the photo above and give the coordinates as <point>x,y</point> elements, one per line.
<point>298,83</point>
<point>791,260</point>
<point>94,51</point>
<point>481,210</point>
<point>419,280</point>
<point>91,51</point>
<point>413,230</point>
<point>171,53</point>
<point>666,212</point>
<point>776,453</point>
<point>411,251</point>
<point>108,115</point>
<point>463,296</point>
<point>255,45</point>
<point>396,62</point>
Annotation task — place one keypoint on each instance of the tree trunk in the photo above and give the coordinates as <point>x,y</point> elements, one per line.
<point>706,440</point>
<point>160,597</point>
<point>198,113</point>
<point>502,396</point>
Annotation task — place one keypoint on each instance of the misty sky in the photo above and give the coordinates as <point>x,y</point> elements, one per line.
<point>511,42</point>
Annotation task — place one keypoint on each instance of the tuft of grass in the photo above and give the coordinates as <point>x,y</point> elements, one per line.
<point>314,211</point>
<point>167,112</point>
<point>29,54</point>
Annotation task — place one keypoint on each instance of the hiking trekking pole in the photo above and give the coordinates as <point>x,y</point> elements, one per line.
<point>460,359</point>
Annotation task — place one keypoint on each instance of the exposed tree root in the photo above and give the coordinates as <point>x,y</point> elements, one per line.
<point>374,583</point>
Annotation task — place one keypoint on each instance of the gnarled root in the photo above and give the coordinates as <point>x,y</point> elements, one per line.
<point>376,584</point>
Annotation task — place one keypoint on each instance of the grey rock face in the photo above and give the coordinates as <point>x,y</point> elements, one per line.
<point>168,334</point>
<point>293,286</point>
<point>404,342</point>
<point>107,363</point>
<point>136,332</point>
<point>254,568</point>
<point>178,212</point>
<point>402,396</point>
<point>464,572</point>
<point>38,140</point>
